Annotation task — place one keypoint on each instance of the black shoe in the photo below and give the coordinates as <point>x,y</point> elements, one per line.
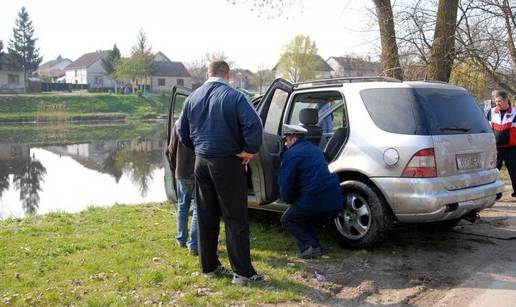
<point>513,194</point>
<point>193,252</point>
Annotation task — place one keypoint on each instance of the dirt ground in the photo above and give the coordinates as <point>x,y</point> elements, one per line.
<point>473,265</point>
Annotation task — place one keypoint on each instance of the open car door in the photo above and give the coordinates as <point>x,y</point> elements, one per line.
<point>265,165</point>
<point>178,96</point>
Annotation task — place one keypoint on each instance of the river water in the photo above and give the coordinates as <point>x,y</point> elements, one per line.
<point>67,169</point>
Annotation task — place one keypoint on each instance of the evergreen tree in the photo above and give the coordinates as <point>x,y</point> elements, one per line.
<point>110,62</point>
<point>23,53</point>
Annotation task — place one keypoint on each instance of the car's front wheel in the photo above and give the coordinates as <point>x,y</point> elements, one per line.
<point>364,219</point>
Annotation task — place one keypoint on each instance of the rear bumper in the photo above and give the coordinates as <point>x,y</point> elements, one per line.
<point>415,200</point>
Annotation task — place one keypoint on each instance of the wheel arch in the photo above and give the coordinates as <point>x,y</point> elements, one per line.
<point>355,175</point>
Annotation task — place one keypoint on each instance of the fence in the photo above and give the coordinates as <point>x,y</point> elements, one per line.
<point>50,87</point>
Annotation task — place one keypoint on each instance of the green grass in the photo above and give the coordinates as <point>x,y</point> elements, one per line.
<point>48,107</point>
<point>126,255</point>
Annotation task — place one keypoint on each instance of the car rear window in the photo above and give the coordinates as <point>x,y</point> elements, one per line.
<point>424,111</point>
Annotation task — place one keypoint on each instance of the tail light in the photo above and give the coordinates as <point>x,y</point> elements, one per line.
<point>421,165</point>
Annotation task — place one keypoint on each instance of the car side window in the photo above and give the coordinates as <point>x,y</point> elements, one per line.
<point>274,115</point>
<point>331,117</point>
<point>334,120</point>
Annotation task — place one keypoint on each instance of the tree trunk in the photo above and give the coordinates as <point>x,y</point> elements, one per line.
<point>443,46</point>
<point>510,40</point>
<point>390,56</point>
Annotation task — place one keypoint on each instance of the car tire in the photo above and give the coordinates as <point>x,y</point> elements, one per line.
<point>365,218</point>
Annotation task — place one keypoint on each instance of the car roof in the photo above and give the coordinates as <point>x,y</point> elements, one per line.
<point>360,83</point>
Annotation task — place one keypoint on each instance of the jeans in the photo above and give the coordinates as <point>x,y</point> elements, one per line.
<point>185,201</point>
<point>302,224</point>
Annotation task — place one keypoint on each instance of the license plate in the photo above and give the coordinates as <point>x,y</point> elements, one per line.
<point>468,161</point>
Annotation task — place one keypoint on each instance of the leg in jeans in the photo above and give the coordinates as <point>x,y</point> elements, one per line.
<point>231,186</point>
<point>208,214</point>
<point>295,220</point>
<point>192,244</point>
<point>184,196</point>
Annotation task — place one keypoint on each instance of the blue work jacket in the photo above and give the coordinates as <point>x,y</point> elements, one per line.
<point>306,182</point>
<point>217,122</point>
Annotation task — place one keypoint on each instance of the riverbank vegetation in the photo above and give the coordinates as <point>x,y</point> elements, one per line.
<point>61,107</point>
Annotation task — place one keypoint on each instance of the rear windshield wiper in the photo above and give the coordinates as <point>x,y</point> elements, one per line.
<point>456,128</point>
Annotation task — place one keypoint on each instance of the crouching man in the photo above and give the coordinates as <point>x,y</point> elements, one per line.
<point>307,185</point>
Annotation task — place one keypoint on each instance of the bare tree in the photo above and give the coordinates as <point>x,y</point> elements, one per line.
<point>262,77</point>
<point>486,38</point>
<point>198,67</point>
<point>390,56</point>
<point>443,45</point>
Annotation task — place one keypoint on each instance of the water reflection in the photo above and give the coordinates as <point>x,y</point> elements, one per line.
<point>72,177</point>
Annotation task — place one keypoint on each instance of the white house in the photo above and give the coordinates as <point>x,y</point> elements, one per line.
<point>54,69</point>
<point>88,70</point>
<point>346,66</point>
<point>166,73</point>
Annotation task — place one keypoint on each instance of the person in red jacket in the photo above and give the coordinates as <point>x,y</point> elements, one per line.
<point>503,123</point>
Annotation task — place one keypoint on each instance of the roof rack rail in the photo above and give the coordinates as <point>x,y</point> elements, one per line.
<point>435,81</point>
<point>341,80</point>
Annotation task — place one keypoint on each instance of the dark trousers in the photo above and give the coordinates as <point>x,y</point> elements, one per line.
<point>509,156</point>
<point>302,225</point>
<point>222,192</point>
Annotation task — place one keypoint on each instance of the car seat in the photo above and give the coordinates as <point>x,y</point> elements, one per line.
<point>335,143</point>
<point>309,118</point>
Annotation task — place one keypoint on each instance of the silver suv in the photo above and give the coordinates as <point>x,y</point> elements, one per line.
<point>409,152</point>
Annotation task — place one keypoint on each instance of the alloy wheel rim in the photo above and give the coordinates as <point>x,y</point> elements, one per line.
<point>355,220</point>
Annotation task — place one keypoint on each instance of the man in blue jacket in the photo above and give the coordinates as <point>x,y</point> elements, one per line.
<point>225,132</point>
<point>308,186</point>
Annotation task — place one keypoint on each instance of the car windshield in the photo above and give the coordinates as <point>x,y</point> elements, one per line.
<point>424,111</point>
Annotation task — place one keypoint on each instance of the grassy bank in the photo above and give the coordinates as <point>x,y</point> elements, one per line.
<point>63,107</point>
<point>125,255</point>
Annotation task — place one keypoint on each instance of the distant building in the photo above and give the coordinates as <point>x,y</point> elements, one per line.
<point>346,66</point>
<point>53,70</point>
<point>88,70</point>
<point>322,69</point>
<point>166,73</point>
<point>11,80</point>
<point>240,78</point>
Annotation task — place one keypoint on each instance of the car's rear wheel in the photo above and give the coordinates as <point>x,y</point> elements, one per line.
<point>364,219</point>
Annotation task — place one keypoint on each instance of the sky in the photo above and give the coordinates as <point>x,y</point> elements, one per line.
<point>186,30</point>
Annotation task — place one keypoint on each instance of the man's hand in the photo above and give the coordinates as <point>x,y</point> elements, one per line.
<point>245,156</point>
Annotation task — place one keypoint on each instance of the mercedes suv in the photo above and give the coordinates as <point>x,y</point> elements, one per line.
<point>405,152</point>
